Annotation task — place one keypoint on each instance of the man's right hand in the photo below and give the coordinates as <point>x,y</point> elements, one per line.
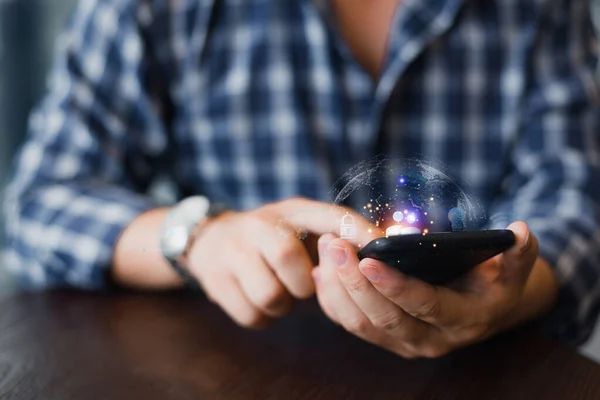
<point>253,264</point>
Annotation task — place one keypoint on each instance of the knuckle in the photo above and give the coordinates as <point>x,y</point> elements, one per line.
<point>355,285</point>
<point>270,298</point>
<point>250,320</point>
<point>468,333</point>
<point>286,254</point>
<point>476,332</point>
<point>407,355</point>
<point>427,310</point>
<point>358,325</point>
<point>388,321</point>
<point>436,351</point>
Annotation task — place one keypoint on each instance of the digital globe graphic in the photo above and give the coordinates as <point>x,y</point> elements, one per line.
<point>410,196</point>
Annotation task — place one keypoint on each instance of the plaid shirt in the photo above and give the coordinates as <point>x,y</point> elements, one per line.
<point>254,101</point>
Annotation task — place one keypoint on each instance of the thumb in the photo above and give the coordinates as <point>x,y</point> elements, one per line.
<point>519,259</point>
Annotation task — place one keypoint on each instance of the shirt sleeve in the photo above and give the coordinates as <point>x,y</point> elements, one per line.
<point>92,149</point>
<point>553,181</point>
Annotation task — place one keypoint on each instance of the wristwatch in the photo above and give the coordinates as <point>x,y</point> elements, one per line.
<point>179,225</point>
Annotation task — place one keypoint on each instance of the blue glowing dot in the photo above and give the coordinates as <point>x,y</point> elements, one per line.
<point>398,216</point>
<point>411,218</point>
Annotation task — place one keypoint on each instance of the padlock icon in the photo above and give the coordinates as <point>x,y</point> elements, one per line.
<point>348,227</point>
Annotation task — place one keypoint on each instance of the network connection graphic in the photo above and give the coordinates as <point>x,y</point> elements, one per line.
<point>394,196</point>
<point>408,196</point>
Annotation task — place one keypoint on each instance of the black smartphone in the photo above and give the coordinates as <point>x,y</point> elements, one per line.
<point>438,258</point>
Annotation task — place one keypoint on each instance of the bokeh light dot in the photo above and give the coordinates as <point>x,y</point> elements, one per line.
<point>398,216</point>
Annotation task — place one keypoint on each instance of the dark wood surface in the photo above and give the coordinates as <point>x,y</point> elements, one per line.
<point>131,346</point>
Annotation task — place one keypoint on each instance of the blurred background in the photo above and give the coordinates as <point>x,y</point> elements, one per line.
<point>28,30</point>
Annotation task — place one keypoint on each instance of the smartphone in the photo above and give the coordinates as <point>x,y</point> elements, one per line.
<point>438,258</point>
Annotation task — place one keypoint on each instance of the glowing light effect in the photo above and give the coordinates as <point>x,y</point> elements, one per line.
<point>411,230</point>
<point>397,230</point>
<point>398,216</point>
<point>393,230</point>
<point>418,198</point>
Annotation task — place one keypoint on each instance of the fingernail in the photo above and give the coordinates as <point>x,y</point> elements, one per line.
<point>526,243</point>
<point>371,273</point>
<point>339,255</point>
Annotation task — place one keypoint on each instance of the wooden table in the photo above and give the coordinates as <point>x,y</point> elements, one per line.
<point>130,346</point>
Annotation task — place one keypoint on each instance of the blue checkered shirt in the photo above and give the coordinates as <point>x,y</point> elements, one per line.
<point>253,101</point>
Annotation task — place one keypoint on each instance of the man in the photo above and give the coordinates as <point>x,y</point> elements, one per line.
<point>252,103</point>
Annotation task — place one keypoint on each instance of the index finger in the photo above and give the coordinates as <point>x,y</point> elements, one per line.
<point>320,218</point>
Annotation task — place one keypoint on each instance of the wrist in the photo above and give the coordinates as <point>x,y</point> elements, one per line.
<point>196,232</point>
<point>185,221</point>
<point>137,261</point>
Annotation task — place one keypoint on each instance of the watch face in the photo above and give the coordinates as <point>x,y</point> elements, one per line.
<point>174,241</point>
<point>181,222</point>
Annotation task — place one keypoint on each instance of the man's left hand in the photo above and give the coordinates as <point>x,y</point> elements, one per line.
<point>415,319</point>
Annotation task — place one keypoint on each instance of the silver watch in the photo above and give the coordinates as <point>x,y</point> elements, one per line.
<point>179,225</point>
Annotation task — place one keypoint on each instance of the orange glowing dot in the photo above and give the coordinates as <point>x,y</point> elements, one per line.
<point>434,245</point>
<point>370,230</point>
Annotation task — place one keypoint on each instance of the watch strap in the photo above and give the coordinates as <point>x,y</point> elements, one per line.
<point>188,279</point>
<point>177,262</point>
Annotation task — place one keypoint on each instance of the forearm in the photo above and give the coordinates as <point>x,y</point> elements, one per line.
<point>539,296</point>
<point>138,261</point>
